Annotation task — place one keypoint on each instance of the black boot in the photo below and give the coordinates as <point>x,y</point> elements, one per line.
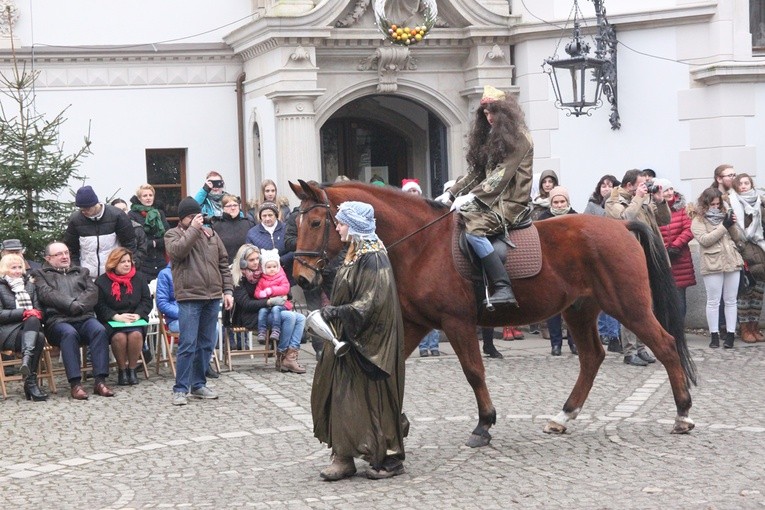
<point>497,275</point>
<point>121,377</point>
<point>728,343</point>
<point>132,378</point>
<point>28,358</point>
<point>32,391</point>
<point>715,343</point>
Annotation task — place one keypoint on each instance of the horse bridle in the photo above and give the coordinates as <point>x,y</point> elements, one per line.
<point>322,254</point>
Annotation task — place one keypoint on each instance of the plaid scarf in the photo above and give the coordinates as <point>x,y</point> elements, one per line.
<point>19,289</point>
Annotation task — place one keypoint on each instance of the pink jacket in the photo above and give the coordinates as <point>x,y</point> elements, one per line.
<point>273,286</point>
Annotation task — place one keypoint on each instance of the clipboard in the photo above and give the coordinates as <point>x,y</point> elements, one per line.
<point>118,324</point>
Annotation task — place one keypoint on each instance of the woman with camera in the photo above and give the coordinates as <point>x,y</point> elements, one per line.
<point>721,262</point>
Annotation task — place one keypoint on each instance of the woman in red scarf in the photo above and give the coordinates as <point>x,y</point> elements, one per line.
<point>123,298</point>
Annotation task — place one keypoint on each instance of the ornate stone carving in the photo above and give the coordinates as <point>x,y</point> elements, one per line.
<point>299,54</point>
<point>496,56</point>
<point>355,15</point>
<point>389,60</point>
<point>6,24</point>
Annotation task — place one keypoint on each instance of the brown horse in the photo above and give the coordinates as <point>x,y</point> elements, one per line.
<point>589,264</point>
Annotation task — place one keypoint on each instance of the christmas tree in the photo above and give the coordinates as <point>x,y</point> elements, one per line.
<point>34,170</point>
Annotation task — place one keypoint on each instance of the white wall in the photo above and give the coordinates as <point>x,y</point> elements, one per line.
<point>125,123</point>
<point>94,22</point>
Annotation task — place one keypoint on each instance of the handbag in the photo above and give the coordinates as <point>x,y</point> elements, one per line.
<point>746,281</point>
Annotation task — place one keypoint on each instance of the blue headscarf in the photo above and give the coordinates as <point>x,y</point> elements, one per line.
<point>360,218</point>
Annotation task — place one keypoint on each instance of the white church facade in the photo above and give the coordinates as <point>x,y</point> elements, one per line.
<point>309,89</point>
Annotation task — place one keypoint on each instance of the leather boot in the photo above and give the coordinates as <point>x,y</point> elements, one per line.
<point>715,342</point>
<point>746,332</point>
<point>121,377</point>
<point>500,282</point>
<point>290,362</point>
<point>341,467</point>
<point>28,359</point>
<point>728,343</point>
<point>32,391</point>
<point>756,331</point>
<point>132,377</point>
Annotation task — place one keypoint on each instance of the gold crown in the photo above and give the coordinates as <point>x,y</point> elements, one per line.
<point>491,94</point>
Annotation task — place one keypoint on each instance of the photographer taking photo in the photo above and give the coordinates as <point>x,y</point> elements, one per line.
<point>633,201</point>
<point>210,196</point>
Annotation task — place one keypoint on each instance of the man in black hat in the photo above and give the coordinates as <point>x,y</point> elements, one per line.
<point>201,277</point>
<point>15,246</point>
<point>95,230</point>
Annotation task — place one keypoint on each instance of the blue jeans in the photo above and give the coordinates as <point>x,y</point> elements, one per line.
<point>430,341</point>
<point>69,336</point>
<point>270,315</point>
<point>293,324</point>
<point>608,326</point>
<point>198,320</point>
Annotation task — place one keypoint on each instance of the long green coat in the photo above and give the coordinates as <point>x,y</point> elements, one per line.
<point>356,399</point>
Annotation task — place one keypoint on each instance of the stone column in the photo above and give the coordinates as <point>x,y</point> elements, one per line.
<point>297,138</point>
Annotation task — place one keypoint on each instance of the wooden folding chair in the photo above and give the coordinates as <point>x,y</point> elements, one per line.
<point>251,349</point>
<point>163,352</point>
<point>44,370</point>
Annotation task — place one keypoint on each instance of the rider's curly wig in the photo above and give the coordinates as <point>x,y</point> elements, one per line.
<point>489,146</point>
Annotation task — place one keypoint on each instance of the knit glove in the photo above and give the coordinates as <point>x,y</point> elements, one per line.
<point>269,291</point>
<point>728,221</point>
<point>261,294</point>
<point>673,253</point>
<point>32,312</point>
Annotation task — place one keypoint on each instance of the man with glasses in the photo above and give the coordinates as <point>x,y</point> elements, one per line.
<point>95,230</point>
<point>724,175</point>
<point>68,297</point>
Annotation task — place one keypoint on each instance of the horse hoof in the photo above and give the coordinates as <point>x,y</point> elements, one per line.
<point>476,441</point>
<point>553,427</point>
<point>683,425</point>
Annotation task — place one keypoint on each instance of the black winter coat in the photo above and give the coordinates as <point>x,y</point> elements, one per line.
<point>11,318</point>
<point>246,306</point>
<point>155,260</point>
<point>232,231</point>
<point>66,295</point>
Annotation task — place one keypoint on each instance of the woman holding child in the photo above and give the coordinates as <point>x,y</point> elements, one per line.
<point>246,272</point>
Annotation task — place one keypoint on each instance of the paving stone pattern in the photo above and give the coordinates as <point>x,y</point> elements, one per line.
<point>254,448</point>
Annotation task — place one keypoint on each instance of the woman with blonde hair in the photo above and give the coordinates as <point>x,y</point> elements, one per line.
<point>144,212</point>
<point>268,193</point>
<point>20,321</point>
<point>123,299</point>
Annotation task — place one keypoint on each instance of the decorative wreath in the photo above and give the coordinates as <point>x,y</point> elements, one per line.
<point>398,34</point>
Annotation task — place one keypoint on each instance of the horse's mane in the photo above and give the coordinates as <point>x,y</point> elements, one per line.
<point>390,192</point>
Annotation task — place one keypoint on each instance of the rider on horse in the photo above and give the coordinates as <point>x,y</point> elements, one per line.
<point>494,196</point>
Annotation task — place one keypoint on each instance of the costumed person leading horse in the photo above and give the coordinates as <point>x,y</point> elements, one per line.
<point>494,196</point>
<point>356,399</point>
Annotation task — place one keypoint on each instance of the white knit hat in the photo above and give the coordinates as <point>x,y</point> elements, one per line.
<point>359,216</point>
<point>269,256</point>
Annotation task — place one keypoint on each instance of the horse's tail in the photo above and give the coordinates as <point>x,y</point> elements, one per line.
<point>666,301</point>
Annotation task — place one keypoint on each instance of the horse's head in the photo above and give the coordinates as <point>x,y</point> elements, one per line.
<point>317,241</point>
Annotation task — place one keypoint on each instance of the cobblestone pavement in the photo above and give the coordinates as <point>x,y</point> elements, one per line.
<point>254,447</point>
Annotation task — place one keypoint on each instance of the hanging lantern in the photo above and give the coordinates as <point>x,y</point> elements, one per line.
<point>405,31</point>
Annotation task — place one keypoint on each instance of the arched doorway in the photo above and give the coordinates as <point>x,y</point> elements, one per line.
<point>389,136</point>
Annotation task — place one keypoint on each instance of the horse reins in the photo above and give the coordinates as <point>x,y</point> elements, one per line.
<point>322,255</point>
<point>418,230</point>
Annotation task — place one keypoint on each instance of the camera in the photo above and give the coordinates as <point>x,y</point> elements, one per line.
<point>217,183</point>
<point>652,187</point>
